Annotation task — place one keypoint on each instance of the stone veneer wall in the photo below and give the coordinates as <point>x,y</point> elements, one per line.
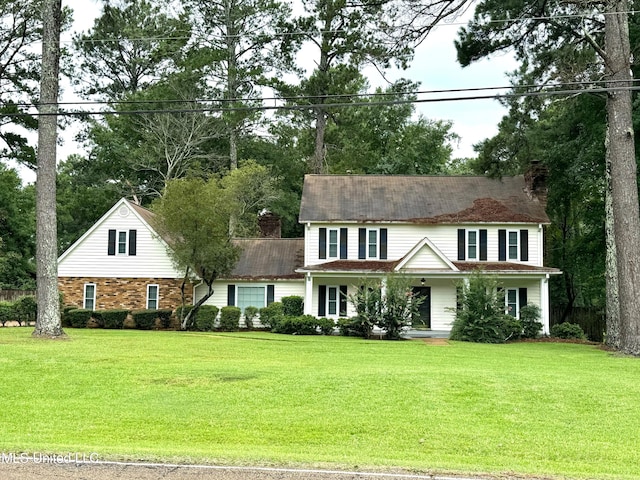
<point>124,293</point>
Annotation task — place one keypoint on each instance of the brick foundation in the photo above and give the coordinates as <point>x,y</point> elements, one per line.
<point>124,293</point>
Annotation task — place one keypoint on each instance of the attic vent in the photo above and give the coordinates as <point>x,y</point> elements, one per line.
<point>123,211</point>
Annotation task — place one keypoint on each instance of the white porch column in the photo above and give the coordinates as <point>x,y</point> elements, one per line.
<point>544,304</point>
<point>308,294</point>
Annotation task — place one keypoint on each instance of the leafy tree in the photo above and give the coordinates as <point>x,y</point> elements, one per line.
<point>132,44</point>
<point>239,47</point>
<point>194,215</point>
<point>17,230</point>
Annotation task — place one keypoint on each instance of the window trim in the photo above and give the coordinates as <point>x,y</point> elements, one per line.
<point>516,305</point>
<point>376,244</point>
<point>157,299</point>
<point>476,244</point>
<point>509,244</point>
<point>84,296</point>
<point>340,300</point>
<point>239,286</point>
<point>337,243</point>
<point>124,244</point>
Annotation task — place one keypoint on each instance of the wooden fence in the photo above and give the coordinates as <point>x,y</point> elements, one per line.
<point>592,320</point>
<point>13,295</point>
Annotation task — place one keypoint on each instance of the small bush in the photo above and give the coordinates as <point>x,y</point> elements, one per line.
<point>230,318</point>
<point>7,312</point>
<point>271,315</point>
<point>301,325</point>
<point>111,318</point>
<point>293,306</point>
<point>529,318</point>
<point>250,314</point>
<point>165,317</point>
<point>64,320</point>
<point>26,310</point>
<point>79,317</point>
<point>568,330</point>
<point>355,327</point>
<point>144,319</point>
<point>206,318</point>
<point>326,325</point>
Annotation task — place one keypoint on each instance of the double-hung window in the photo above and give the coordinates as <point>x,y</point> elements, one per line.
<point>152,297</point>
<point>333,243</point>
<point>251,296</point>
<point>122,242</point>
<point>372,243</point>
<point>472,244</point>
<point>513,245</point>
<point>89,300</point>
<point>511,301</point>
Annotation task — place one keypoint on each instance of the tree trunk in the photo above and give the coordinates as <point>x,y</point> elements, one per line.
<point>624,189</point>
<point>318,159</point>
<point>198,304</point>
<point>611,269</point>
<point>48,319</point>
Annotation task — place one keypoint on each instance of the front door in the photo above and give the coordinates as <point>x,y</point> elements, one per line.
<point>424,312</point>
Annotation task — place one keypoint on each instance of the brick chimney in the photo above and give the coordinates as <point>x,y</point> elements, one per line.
<point>535,180</point>
<point>270,225</point>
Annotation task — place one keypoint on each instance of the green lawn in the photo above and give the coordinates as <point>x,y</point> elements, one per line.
<point>538,408</point>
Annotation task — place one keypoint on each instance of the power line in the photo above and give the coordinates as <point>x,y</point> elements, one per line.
<point>203,109</point>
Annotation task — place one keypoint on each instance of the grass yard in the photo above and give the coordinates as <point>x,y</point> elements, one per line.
<point>243,398</point>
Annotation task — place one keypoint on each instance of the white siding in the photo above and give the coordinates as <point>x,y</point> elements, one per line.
<point>88,257</point>
<point>403,237</point>
<point>282,288</point>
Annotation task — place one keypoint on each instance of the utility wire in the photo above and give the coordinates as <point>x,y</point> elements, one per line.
<point>78,113</point>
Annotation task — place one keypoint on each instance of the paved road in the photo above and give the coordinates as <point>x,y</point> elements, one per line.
<point>29,470</point>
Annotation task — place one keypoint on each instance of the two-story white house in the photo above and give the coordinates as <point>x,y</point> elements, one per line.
<point>435,229</point>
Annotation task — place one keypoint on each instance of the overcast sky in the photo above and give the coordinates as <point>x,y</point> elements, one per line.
<point>434,66</point>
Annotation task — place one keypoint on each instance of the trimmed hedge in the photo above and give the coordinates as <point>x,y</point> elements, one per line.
<point>293,306</point>
<point>111,318</point>
<point>7,312</point>
<point>230,318</point>
<point>304,325</point>
<point>164,316</point>
<point>568,330</point>
<point>250,314</point>
<point>144,319</point>
<point>271,315</point>
<point>78,317</point>
<point>206,318</point>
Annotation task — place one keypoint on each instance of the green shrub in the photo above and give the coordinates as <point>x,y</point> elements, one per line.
<point>181,313</point>
<point>326,325</point>
<point>64,318</point>
<point>7,312</point>
<point>165,317</point>
<point>271,315</point>
<point>79,317</point>
<point>250,314</point>
<point>301,325</point>
<point>230,318</point>
<point>481,316</point>
<point>350,327</point>
<point>111,318</point>
<point>292,306</point>
<point>368,303</point>
<point>206,318</point>
<point>26,310</point>
<point>144,319</point>
<point>529,318</point>
<point>568,330</point>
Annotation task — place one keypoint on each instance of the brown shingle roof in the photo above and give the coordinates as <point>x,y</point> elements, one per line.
<point>418,199</point>
<point>503,267</point>
<point>354,266</point>
<point>269,258</point>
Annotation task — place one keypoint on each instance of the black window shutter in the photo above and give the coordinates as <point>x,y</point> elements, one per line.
<point>483,245</point>
<point>522,297</point>
<point>133,234</point>
<point>362,243</point>
<point>502,245</point>
<point>343,243</point>
<point>343,301</point>
<point>270,294</point>
<point>383,244</point>
<point>322,247</point>
<point>524,245</point>
<point>461,243</point>
<point>322,300</point>
<point>111,249</point>
<point>231,295</point>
